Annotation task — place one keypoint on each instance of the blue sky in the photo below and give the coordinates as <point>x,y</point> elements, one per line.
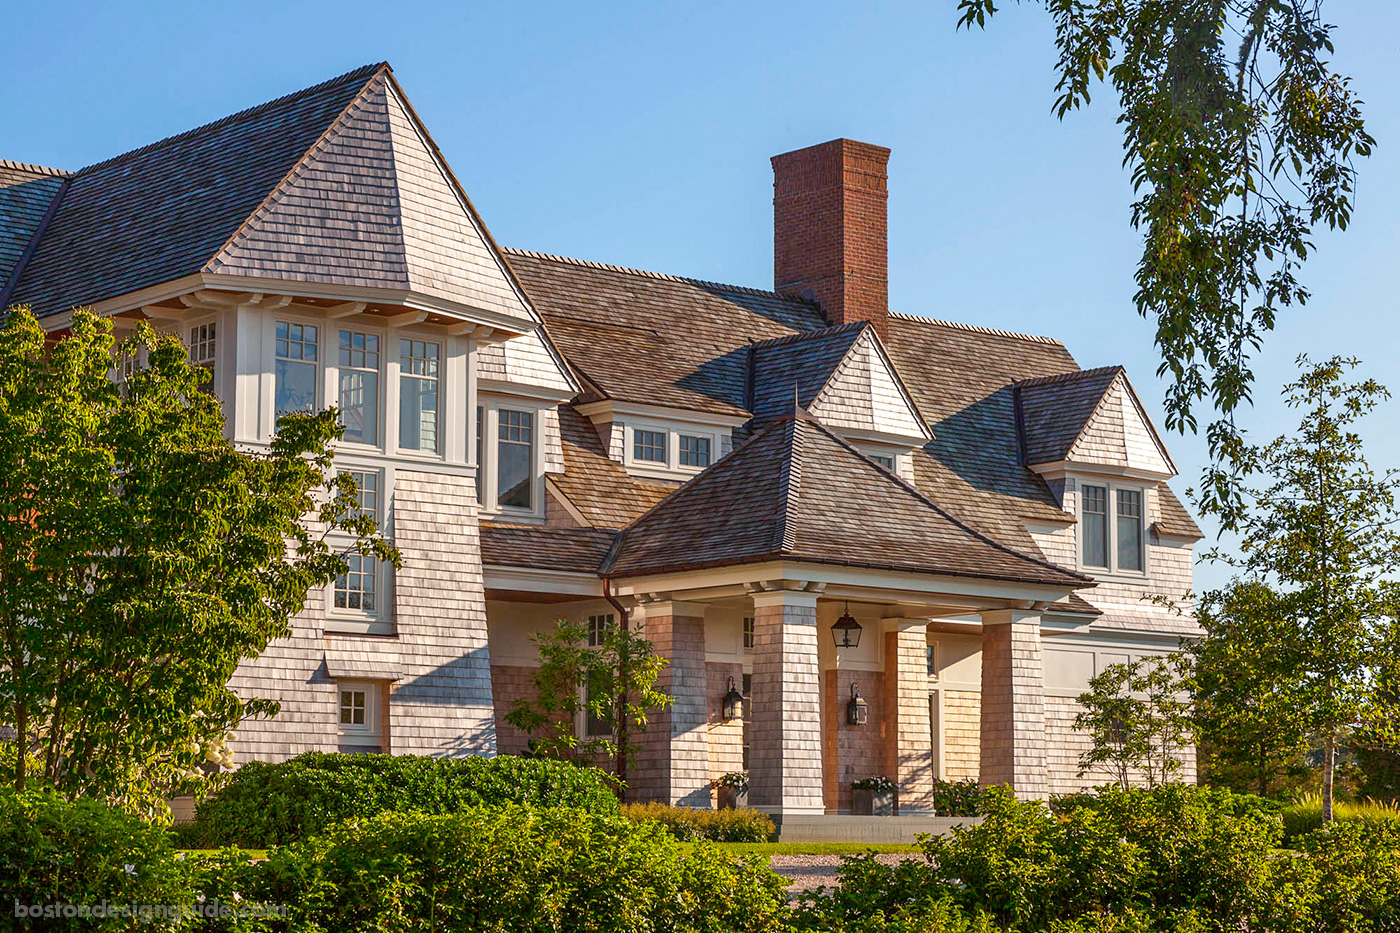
<point>639,134</point>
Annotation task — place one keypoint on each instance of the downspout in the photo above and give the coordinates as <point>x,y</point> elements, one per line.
<point>619,711</point>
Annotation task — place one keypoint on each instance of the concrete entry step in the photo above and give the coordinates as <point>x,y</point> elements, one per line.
<point>795,827</point>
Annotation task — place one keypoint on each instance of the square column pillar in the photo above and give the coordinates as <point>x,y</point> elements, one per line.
<point>1013,703</point>
<point>908,739</point>
<point>673,761</point>
<point>785,751</point>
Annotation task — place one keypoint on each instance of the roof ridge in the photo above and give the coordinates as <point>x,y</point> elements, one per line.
<point>36,169</point>
<point>911,489</point>
<point>660,276</point>
<point>1068,377</point>
<point>363,72</point>
<point>975,328</point>
<point>802,335</point>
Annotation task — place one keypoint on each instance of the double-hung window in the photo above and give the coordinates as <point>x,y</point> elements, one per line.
<point>359,386</point>
<point>418,395</point>
<point>296,367</point>
<point>202,348</point>
<point>598,629</point>
<point>366,491</point>
<point>515,458</point>
<point>357,589</point>
<point>1116,539</point>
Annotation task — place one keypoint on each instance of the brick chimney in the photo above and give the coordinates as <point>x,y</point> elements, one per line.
<point>829,229</point>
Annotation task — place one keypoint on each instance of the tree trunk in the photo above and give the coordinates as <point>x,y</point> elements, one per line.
<point>1329,769</point>
<point>21,742</point>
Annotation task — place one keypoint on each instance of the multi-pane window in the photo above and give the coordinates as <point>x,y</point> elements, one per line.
<point>594,724</point>
<point>931,656</point>
<point>357,588</point>
<point>1094,526</point>
<point>649,446</point>
<point>480,463</point>
<point>296,366</point>
<point>748,688</point>
<point>359,386</point>
<point>366,491</point>
<point>598,628</point>
<point>418,395</point>
<point>354,707</point>
<point>694,451</point>
<point>748,633</point>
<point>201,350</point>
<point>515,458</point>
<point>886,462</point>
<point>1130,555</point>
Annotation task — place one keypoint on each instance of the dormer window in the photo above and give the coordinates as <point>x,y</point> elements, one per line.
<point>510,465</point>
<point>649,446</point>
<point>1121,539</point>
<point>884,461</point>
<point>695,451</point>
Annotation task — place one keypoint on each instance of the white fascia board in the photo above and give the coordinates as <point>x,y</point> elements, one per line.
<point>1059,469</point>
<point>609,409</point>
<point>522,390</point>
<point>499,577</point>
<point>901,442</point>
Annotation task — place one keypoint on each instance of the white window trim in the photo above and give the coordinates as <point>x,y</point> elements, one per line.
<point>331,383</point>
<point>318,403</point>
<point>394,366</point>
<point>490,436</point>
<point>1111,507</point>
<point>672,468</point>
<point>371,734</point>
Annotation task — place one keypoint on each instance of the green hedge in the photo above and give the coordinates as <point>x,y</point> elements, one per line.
<point>1179,859</point>
<point>739,825</point>
<point>54,852</point>
<point>1305,815</point>
<point>273,804</point>
<point>505,869</point>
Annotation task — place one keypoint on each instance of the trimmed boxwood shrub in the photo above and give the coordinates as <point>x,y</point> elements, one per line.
<point>56,852</point>
<point>507,868</point>
<point>738,825</point>
<point>272,804</point>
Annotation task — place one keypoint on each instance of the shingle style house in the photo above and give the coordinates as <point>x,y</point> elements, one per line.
<point>734,468</point>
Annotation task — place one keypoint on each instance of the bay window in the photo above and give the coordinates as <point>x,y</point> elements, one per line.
<point>296,367</point>
<point>418,395</point>
<point>359,386</point>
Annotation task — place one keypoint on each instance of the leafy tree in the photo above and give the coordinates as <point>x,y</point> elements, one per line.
<point>1319,528</point>
<point>1137,716</point>
<point>1246,672</point>
<point>143,557</point>
<point>614,684</point>
<point>1240,138</point>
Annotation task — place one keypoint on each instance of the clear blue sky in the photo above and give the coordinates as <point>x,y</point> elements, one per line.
<point>639,134</point>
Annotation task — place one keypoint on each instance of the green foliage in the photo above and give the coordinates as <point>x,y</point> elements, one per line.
<point>143,557</point>
<point>957,798</point>
<point>613,683</point>
<point>737,825</point>
<point>1138,719</point>
<point>1320,532</point>
<point>877,783</point>
<point>1305,815</point>
<point>739,780</point>
<point>1354,868</point>
<point>271,804</point>
<point>1245,680</point>
<point>54,851</point>
<point>1240,139</point>
<point>507,868</point>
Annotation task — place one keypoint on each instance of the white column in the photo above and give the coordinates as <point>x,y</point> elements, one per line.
<point>785,750</point>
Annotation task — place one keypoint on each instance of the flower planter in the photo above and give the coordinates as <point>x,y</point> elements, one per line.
<point>732,798</point>
<point>872,803</point>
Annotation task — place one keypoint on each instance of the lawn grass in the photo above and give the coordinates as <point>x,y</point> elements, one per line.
<point>813,848</point>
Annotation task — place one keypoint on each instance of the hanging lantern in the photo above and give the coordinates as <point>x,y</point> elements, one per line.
<point>856,709</point>
<point>733,706</point>
<point>845,631</point>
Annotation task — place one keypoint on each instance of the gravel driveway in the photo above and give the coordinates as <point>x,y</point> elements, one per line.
<point>810,871</point>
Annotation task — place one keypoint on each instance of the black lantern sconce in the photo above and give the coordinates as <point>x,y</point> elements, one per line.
<point>846,630</point>
<point>733,706</point>
<point>856,709</point>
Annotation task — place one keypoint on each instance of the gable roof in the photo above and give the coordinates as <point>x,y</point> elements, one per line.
<point>27,193</point>
<point>339,184</point>
<point>656,339</point>
<point>798,492</point>
<point>1092,416</point>
<point>795,367</point>
<point>160,212</point>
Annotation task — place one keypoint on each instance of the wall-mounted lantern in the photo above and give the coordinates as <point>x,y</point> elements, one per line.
<point>733,705</point>
<point>856,709</point>
<point>845,631</point>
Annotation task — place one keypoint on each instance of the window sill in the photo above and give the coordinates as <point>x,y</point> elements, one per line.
<point>351,626</point>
